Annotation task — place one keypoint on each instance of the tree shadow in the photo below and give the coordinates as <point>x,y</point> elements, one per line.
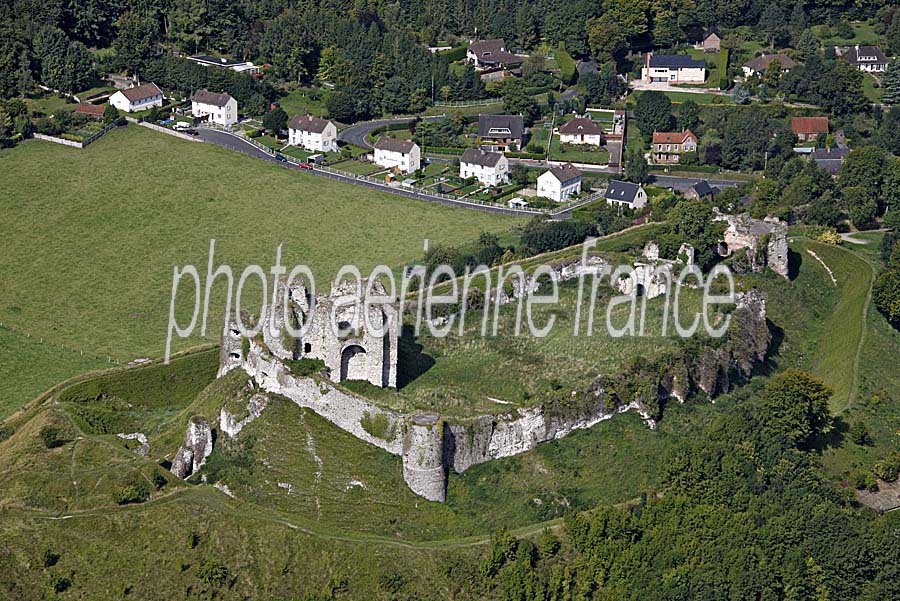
<point>412,362</point>
<point>770,365</point>
<point>795,260</point>
<point>834,438</point>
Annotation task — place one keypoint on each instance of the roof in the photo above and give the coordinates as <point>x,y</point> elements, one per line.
<point>308,123</point>
<point>565,173</point>
<point>480,47</point>
<point>865,55</point>
<point>830,153</point>
<point>762,62</point>
<point>672,137</point>
<point>500,126</point>
<point>712,31</point>
<point>809,125</point>
<point>142,92</point>
<point>676,61</point>
<point>621,191</point>
<point>213,98</point>
<point>394,145</point>
<point>95,110</point>
<point>476,156</point>
<point>580,125</point>
<point>832,166</point>
<point>217,60</point>
<point>703,188</point>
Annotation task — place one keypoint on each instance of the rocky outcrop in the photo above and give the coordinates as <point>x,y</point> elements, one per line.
<point>232,426</point>
<point>142,450</point>
<point>198,445</point>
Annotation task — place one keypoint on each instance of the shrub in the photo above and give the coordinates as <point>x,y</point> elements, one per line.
<point>888,468</point>
<point>50,558</point>
<point>305,367</point>
<point>6,432</point>
<point>860,434</point>
<point>213,573</point>
<point>829,236</point>
<point>53,437</point>
<point>378,426</point>
<point>137,491</point>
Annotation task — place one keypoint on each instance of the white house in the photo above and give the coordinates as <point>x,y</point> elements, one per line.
<point>581,130</point>
<point>219,108</point>
<point>492,54</point>
<point>137,98</point>
<point>625,194</point>
<point>673,68</point>
<point>401,154</point>
<point>559,183</point>
<point>870,59</point>
<point>312,133</point>
<point>489,168</point>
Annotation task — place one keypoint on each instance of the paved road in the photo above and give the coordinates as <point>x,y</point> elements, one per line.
<point>233,142</point>
<point>357,134</point>
<point>682,183</point>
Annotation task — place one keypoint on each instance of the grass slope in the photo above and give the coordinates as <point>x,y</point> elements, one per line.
<point>91,237</point>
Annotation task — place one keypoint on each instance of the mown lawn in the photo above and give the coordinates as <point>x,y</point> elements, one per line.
<point>304,101</point>
<point>91,238</point>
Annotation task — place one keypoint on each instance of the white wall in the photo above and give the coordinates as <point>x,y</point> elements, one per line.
<point>488,176</point>
<point>407,163</point>
<point>223,115</point>
<point>323,142</point>
<point>122,103</point>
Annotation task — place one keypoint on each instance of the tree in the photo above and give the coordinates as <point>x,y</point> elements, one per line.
<point>340,106</point>
<point>886,295</point>
<point>890,83</point>
<point>741,94</point>
<point>136,41</point>
<point>797,24</point>
<point>602,87</point>
<point>688,115</point>
<point>636,168</point>
<point>859,434</point>
<point>808,45</point>
<point>275,121</point>
<point>889,132</point>
<point>605,38</point>
<point>110,113</point>
<point>865,167</point>
<point>794,408</point>
<point>693,222</point>
<point>861,207</point>
<point>653,112</point>
<point>516,100</point>
<point>632,16</point>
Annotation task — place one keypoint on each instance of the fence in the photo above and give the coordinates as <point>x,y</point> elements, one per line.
<point>461,104</point>
<point>379,184</point>
<point>166,130</point>
<point>56,140</point>
<point>59,346</point>
<point>83,143</point>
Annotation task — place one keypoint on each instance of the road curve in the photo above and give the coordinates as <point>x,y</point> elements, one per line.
<point>358,133</point>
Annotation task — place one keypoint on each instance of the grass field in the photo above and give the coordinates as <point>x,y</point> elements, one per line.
<point>91,237</point>
<point>301,102</point>
<point>863,33</point>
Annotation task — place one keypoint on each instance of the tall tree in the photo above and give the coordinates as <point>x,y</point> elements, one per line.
<point>890,83</point>
<point>653,112</point>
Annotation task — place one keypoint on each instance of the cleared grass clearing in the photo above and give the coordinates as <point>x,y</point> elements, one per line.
<point>90,237</point>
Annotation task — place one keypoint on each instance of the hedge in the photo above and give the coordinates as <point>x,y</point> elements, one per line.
<point>525,155</point>
<point>454,54</point>
<point>567,70</point>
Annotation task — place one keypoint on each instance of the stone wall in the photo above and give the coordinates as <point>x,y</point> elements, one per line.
<point>430,446</point>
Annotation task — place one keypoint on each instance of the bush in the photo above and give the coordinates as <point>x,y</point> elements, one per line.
<point>888,468</point>
<point>213,573</point>
<point>6,432</point>
<point>860,434</point>
<point>53,437</point>
<point>305,367</point>
<point>378,426</point>
<point>865,481</point>
<point>136,492</point>
<point>829,236</point>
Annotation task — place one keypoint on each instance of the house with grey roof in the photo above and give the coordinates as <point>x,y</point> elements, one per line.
<point>702,190</point>
<point>403,155</point>
<point>489,168</point>
<point>830,159</point>
<point>581,130</point>
<point>491,54</point>
<point>218,108</point>
<point>759,64</point>
<point>312,133</point>
<point>673,68</point>
<point>559,182</point>
<point>625,194</point>
<point>870,59</point>
<point>501,132</point>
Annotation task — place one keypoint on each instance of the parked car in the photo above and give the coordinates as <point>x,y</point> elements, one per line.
<point>192,132</point>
